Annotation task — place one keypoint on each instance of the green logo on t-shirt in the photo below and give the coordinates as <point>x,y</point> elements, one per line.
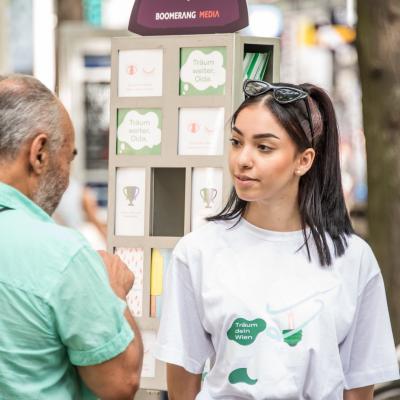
<point>244,332</point>
<point>240,376</point>
<point>292,338</point>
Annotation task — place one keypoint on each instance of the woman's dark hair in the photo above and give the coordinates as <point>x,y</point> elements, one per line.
<point>320,198</point>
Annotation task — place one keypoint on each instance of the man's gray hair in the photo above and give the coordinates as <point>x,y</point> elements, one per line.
<point>27,108</point>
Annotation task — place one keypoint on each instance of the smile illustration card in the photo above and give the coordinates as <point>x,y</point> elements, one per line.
<point>130,201</point>
<point>139,131</point>
<point>140,73</point>
<point>201,131</point>
<point>207,184</point>
<point>133,258</point>
<point>202,71</point>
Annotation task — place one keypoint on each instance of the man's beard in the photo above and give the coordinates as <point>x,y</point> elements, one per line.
<point>50,189</point>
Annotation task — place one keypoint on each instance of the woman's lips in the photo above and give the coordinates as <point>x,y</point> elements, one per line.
<point>244,180</point>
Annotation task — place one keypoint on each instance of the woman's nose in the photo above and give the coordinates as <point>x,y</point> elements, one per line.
<point>245,159</point>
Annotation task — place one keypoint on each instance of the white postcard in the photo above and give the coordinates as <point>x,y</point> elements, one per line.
<point>140,73</point>
<point>201,131</point>
<point>207,184</point>
<point>130,201</point>
<point>149,361</point>
<point>133,258</point>
<point>139,131</point>
<point>203,71</point>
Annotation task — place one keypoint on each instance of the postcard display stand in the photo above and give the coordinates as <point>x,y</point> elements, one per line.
<point>171,101</point>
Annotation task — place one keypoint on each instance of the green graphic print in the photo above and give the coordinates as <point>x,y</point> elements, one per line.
<point>202,71</point>
<point>292,339</point>
<point>240,376</point>
<point>135,136</point>
<point>245,332</point>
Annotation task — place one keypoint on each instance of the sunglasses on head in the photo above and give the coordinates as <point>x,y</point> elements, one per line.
<point>281,94</point>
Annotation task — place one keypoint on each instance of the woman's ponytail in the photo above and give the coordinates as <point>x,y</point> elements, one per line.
<point>321,198</point>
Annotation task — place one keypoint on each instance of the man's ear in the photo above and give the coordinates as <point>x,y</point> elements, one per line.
<point>39,153</point>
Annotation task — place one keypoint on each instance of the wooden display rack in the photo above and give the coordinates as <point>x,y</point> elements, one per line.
<point>168,176</point>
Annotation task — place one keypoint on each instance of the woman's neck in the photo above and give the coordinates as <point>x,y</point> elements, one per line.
<point>278,216</point>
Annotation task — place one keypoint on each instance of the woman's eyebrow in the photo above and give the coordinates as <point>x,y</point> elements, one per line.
<point>237,130</point>
<point>265,136</point>
<point>256,136</point>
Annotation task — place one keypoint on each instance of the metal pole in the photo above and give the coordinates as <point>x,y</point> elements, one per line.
<point>4,51</point>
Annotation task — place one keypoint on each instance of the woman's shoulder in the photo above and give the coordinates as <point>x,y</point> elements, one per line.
<point>206,237</point>
<point>358,259</point>
<point>359,246</point>
<point>206,232</point>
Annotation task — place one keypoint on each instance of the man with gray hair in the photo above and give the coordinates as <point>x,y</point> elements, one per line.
<point>65,330</point>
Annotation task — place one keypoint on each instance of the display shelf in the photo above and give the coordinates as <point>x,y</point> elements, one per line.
<point>196,88</point>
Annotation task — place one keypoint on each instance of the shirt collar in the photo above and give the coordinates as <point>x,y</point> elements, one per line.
<point>14,199</point>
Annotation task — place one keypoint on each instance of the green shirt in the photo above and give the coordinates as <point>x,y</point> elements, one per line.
<point>57,309</point>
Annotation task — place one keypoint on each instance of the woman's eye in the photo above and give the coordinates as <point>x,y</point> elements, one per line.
<point>234,142</point>
<point>264,147</point>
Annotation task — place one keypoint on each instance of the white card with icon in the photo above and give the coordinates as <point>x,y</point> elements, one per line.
<point>140,73</point>
<point>130,201</point>
<point>207,186</point>
<point>201,131</point>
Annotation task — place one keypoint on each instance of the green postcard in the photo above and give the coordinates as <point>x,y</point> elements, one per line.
<point>139,131</point>
<point>202,71</point>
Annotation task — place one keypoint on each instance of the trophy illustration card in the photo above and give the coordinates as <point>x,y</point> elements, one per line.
<point>201,131</point>
<point>130,201</point>
<point>202,71</point>
<point>207,184</point>
<point>149,361</point>
<point>133,258</point>
<point>139,131</point>
<point>140,73</point>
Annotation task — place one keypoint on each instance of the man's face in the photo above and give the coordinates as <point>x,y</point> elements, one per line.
<point>54,182</point>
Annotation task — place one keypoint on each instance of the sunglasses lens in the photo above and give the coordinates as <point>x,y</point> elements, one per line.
<point>254,88</point>
<point>287,95</point>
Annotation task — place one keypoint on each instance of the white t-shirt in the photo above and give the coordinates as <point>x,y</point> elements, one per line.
<point>274,325</point>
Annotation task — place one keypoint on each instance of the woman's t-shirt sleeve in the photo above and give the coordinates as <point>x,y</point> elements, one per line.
<point>182,339</point>
<point>88,316</point>
<point>368,353</point>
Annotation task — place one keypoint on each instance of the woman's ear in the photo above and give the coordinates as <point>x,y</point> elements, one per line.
<point>39,154</point>
<point>305,161</point>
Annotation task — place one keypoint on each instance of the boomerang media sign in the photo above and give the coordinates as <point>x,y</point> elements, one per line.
<point>170,17</point>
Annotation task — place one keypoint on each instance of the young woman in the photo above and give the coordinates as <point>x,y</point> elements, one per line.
<point>276,290</point>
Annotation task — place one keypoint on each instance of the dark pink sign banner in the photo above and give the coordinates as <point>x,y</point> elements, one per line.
<point>169,17</point>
